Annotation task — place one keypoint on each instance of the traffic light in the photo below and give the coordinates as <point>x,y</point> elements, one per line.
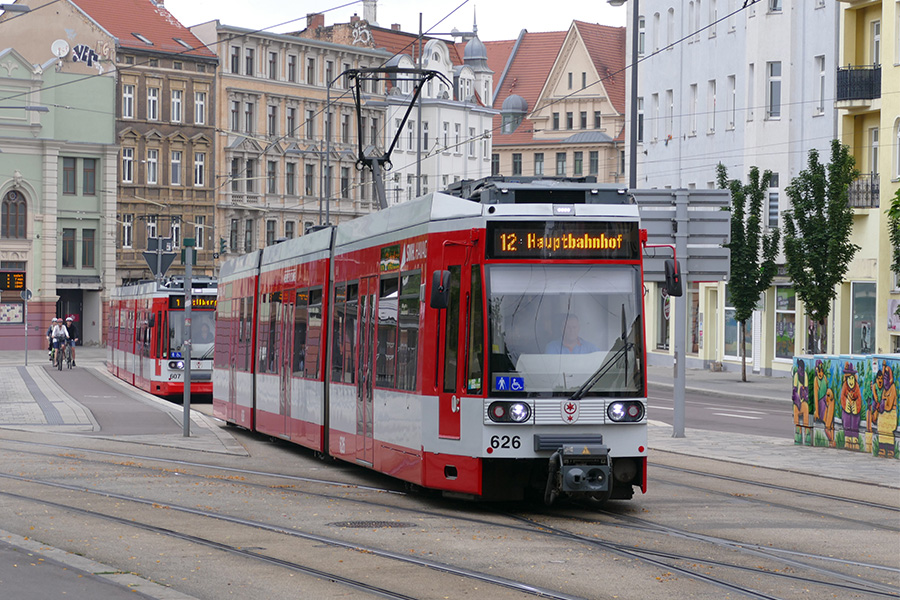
<point>222,249</point>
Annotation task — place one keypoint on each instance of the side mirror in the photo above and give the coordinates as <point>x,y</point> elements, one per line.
<point>673,278</point>
<point>440,289</point>
<point>152,320</point>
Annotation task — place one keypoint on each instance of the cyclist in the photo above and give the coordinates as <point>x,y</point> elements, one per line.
<point>73,336</point>
<point>53,322</point>
<point>59,334</point>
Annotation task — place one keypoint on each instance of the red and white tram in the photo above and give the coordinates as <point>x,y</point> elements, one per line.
<point>145,340</point>
<point>484,344</point>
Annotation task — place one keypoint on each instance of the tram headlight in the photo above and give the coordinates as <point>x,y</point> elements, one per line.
<point>625,412</point>
<point>509,412</point>
<point>176,364</point>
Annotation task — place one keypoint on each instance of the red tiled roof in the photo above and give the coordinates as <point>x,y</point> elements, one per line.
<point>401,42</point>
<point>606,46</point>
<point>124,18</point>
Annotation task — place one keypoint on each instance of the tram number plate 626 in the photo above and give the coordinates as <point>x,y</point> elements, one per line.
<point>506,441</point>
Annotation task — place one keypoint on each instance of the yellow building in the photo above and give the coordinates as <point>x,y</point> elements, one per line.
<point>868,101</point>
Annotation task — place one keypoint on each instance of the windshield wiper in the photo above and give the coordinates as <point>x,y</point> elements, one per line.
<point>604,367</point>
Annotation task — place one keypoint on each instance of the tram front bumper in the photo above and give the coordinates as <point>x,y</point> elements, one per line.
<point>584,469</point>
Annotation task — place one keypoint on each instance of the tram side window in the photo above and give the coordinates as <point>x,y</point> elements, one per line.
<point>385,361</point>
<point>263,332</point>
<point>300,324</point>
<point>348,341</point>
<point>408,344</point>
<point>451,334</point>
<point>475,344</point>
<point>337,333</point>
<point>314,334</point>
<point>272,341</point>
<point>223,330</point>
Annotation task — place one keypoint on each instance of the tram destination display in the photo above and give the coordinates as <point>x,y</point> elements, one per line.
<point>196,302</point>
<point>563,240</point>
<point>12,280</point>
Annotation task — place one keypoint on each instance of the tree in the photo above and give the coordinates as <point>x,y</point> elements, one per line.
<point>893,215</point>
<point>753,250</point>
<point>817,232</point>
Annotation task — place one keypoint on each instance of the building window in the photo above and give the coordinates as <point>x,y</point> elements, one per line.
<point>152,104</point>
<point>175,167</point>
<point>425,140</point>
<point>785,321</point>
<point>654,117</point>
<point>152,167</point>
<point>640,119</point>
<point>345,182</point>
<point>457,129</point>
<point>538,164</point>
<point>127,101</point>
<point>199,231</point>
<point>711,106</point>
<point>897,149</point>
<point>577,163</point>
<point>290,179</point>
<point>270,231</point>
<point>345,128</point>
<point>199,169</point>
<point>89,176</point>
<point>311,71</point>
<point>471,142</point>
<point>670,113</point>
<point>495,164</point>
<point>14,212</point>
<point>642,34</point>
<point>516,164</point>
<point>309,180</point>
<point>692,128</point>
<point>175,233</point>
<point>862,332</point>
<point>733,329</point>
<point>248,235</point>
<point>446,136</point>
<point>594,162</point>
<point>200,108</point>
<point>127,165</point>
<point>272,120</point>
<point>750,95</point>
<point>69,176</point>
<point>582,122</point>
<point>87,248</point>
<point>289,229</point>
<point>249,68</point>
<point>249,181</point>
<point>291,125</point>
<point>730,99</point>
<point>556,121</point>
<point>177,96</point>
<point>236,59</point>
<point>127,231</point>
<point>272,177</point>
<point>292,68</point>
<point>570,81</point>
<point>235,175</point>
<point>561,164</point>
<point>233,236</point>
<point>235,116</point>
<point>68,248</point>
<point>411,135</point>
<point>151,226</point>
<point>773,90</point>
<point>310,125</point>
<point>569,120</point>
<point>248,117</point>
<point>774,5</point>
<point>273,65</point>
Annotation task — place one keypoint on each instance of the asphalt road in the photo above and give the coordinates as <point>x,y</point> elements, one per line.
<point>728,415</point>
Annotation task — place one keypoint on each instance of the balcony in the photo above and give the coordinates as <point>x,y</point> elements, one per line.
<point>857,86</point>
<point>864,191</point>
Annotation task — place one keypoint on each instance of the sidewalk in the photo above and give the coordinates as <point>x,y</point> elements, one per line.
<point>724,383</point>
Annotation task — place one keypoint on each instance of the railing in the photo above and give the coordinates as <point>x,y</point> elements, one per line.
<point>860,82</point>
<point>864,191</point>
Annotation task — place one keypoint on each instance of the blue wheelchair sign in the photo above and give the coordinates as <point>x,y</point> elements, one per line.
<point>509,384</point>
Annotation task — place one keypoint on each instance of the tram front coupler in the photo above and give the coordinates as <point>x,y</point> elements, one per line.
<point>579,471</point>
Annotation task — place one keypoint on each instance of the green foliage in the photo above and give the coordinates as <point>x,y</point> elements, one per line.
<point>753,251</point>
<point>893,215</point>
<point>817,229</point>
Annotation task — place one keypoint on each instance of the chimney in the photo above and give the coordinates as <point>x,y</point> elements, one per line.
<point>395,26</point>
<point>370,8</point>
<point>315,20</point>
<point>354,18</point>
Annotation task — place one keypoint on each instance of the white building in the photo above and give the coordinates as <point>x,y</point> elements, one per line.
<point>745,85</point>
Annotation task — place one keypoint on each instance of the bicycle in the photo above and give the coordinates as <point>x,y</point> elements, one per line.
<point>59,352</point>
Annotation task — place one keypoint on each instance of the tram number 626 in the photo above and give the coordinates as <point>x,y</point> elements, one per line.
<point>505,441</point>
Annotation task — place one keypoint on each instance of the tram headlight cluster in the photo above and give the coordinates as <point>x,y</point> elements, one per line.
<point>625,412</point>
<point>509,412</point>
<point>176,364</point>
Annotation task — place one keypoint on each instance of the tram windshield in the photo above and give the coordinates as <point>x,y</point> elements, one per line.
<point>565,330</point>
<point>203,323</point>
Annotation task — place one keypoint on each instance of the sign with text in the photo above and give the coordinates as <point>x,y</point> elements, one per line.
<point>568,240</point>
<point>196,302</point>
<point>12,280</point>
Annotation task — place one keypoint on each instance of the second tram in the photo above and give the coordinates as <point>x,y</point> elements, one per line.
<point>146,341</point>
<point>487,343</point>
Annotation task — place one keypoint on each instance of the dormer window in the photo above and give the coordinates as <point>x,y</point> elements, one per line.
<point>183,43</point>
<point>142,38</point>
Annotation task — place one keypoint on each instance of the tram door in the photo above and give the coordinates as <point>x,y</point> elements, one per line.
<point>286,352</point>
<point>454,330</point>
<point>365,377</point>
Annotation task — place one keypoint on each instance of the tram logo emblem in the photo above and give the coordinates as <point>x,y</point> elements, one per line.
<point>569,411</point>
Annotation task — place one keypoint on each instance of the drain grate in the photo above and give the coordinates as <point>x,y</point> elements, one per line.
<point>370,524</point>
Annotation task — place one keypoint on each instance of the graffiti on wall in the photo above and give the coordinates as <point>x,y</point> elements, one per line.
<point>847,402</point>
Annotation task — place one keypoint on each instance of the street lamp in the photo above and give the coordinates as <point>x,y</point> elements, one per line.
<point>19,8</point>
<point>632,151</point>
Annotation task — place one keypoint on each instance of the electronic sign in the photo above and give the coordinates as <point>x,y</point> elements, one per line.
<point>567,240</point>
<point>12,280</point>
<point>208,302</point>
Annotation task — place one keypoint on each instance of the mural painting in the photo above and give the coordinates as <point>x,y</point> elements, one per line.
<point>847,402</point>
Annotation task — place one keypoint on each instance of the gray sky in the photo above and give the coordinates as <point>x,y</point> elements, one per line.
<point>497,19</point>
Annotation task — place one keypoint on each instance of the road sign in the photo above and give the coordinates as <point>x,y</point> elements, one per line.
<point>163,258</point>
<point>25,295</point>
